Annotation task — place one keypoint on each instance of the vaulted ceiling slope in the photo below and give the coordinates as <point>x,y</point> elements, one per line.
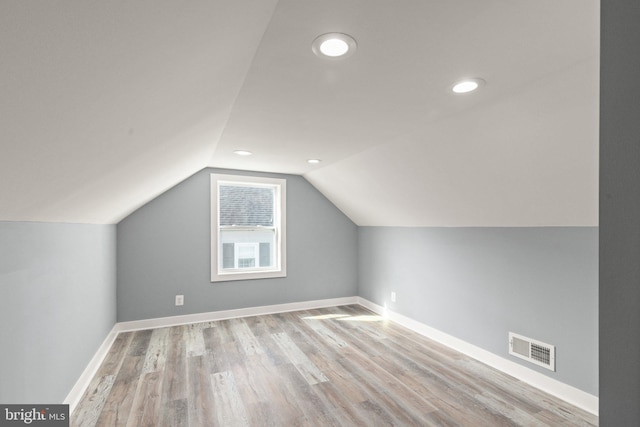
<point>107,104</point>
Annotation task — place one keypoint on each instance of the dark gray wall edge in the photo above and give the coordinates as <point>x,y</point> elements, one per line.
<point>57,304</point>
<point>619,214</point>
<point>477,284</point>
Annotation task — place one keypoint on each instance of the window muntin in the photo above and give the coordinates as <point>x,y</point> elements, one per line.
<point>248,227</point>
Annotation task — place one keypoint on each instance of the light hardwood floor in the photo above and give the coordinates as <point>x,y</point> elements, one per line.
<point>342,366</point>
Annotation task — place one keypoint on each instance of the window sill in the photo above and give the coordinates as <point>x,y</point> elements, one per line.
<point>228,277</point>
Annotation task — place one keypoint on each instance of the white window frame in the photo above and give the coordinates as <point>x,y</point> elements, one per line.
<point>280,263</point>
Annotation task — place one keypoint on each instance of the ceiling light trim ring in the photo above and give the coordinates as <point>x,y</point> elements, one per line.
<point>349,42</point>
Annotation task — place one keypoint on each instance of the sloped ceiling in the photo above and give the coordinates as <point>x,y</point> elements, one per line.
<point>107,104</point>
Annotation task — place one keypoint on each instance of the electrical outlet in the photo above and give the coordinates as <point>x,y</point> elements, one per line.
<point>179,299</point>
<point>393,297</point>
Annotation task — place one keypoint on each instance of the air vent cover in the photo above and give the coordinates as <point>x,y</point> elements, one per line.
<point>534,351</point>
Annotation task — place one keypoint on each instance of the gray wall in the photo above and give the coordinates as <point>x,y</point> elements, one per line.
<point>478,284</point>
<point>57,304</point>
<point>164,250</point>
<point>620,214</point>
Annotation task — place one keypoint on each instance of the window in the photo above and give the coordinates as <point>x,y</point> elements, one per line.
<point>247,227</point>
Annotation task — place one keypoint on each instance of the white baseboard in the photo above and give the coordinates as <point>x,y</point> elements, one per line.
<point>73,398</point>
<point>556,388</point>
<point>569,394</point>
<point>186,319</point>
<point>83,382</point>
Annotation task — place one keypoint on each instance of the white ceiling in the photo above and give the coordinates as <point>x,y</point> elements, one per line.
<point>105,105</point>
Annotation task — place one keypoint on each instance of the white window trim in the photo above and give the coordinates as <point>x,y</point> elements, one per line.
<point>280,270</point>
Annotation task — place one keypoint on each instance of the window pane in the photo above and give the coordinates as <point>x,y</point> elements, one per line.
<point>228,255</point>
<point>265,254</point>
<point>251,248</point>
<point>246,254</point>
<point>246,206</point>
<point>246,251</point>
<point>246,262</point>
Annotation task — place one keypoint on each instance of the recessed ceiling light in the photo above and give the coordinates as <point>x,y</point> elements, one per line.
<point>334,45</point>
<point>314,161</point>
<point>242,152</point>
<point>467,85</point>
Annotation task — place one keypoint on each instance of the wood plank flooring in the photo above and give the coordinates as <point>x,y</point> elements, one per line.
<point>342,366</point>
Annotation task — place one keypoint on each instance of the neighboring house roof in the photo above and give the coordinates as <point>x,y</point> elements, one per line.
<point>246,206</point>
